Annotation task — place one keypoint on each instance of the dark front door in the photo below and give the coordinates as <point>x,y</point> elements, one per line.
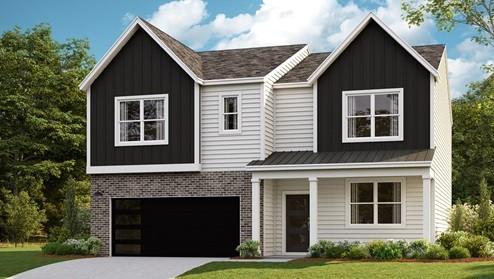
<point>297,223</point>
<point>176,227</point>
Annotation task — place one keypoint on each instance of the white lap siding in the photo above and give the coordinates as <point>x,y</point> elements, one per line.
<point>224,151</point>
<point>331,221</point>
<point>293,119</point>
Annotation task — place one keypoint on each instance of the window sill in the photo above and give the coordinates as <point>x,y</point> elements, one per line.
<point>145,143</point>
<point>380,139</point>
<point>375,226</point>
<point>230,133</point>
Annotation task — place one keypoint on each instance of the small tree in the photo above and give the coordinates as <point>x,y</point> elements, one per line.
<point>457,217</point>
<point>24,218</point>
<point>484,202</point>
<point>76,217</point>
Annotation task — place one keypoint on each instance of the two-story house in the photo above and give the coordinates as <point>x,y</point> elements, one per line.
<point>191,152</point>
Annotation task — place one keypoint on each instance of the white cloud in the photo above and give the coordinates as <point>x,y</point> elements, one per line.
<point>467,67</point>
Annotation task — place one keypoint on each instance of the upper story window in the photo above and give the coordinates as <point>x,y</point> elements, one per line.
<point>141,120</point>
<point>377,202</point>
<point>230,117</point>
<point>373,115</point>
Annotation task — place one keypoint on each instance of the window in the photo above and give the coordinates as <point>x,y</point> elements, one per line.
<point>141,120</point>
<point>373,115</point>
<point>375,202</point>
<point>230,120</point>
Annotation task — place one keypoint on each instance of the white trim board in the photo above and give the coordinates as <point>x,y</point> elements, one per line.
<point>340,166</point>
<point>120,43</point>
<point>191,167</point>
<point>339,50</point>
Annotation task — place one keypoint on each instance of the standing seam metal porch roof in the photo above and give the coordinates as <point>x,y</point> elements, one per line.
<point>345,157</point>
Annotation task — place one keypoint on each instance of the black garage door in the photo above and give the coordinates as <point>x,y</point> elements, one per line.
<point>176,227</point>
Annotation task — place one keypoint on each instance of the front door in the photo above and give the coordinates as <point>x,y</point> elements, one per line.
<point>297,223</point>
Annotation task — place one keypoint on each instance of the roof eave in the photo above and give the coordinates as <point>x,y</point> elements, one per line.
<point>349,39</point>
<point>120,43</point>
<point>371,165</point>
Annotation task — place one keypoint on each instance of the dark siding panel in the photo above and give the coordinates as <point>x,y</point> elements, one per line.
<point>142,68</point>
<point>374,60</point>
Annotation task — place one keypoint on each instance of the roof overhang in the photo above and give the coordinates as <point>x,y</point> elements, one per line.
<point>291,85</point>
<point>348,40</point>
<point>120,43</point>
<point>373,165</point>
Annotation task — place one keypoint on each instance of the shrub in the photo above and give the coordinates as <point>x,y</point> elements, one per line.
<point>476,244</point>
<point>416,249</point>
<point>382,250</point>
<point>486,228</point>
<point>319,249</point>
<point>358,252</point>
<point>458,252</point>
<point>64,249</point>
<point>463,217</point>
<point>436,252</point>
<point>94,245</point>
<point>50,248</point>
<point>450,239</point>
<point>58,234</point>
<point>339,249</point>
<point>249,249</point>
<point>487,250</point>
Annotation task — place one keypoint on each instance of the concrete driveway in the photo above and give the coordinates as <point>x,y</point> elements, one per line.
<point>116,267</point>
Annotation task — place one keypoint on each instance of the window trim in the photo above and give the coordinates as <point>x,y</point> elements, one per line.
<point>221,113</point>
<point>141,99</point>
<point>348,183</point>
<point>372,93</point>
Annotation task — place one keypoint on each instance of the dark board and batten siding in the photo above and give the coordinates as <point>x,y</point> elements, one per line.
<point>142,68</point>
<point>374,60</point>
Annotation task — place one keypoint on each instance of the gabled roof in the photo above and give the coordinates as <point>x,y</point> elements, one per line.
<point>303,70</point>
<point>301,158</point>
<point>339,50</point>
<point>206,65</point>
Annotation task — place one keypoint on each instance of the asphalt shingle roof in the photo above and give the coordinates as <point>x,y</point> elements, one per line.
<point>340,157</point>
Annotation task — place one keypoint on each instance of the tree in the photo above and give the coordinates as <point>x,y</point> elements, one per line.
<point>42,114</point>
<point>478,14</point>
<point>24,218</point>
<point>473,140</point>
<point>76,217</point>
<point>484,202</point>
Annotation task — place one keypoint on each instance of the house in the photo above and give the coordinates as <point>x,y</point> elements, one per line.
<point>190,153</point>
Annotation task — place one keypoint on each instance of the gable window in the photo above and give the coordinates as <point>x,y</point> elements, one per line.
<point>230,118</point>
<point>141,120</point>
<point>373,115</point>
<point>375,202</point>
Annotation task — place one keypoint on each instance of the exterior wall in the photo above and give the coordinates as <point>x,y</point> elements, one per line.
<point>441,163</point>
<point>142,68</point>
<point>332,205</point>
<point>215,184</point>
<point>268,110</point>
<point>293,119</point>
<point>374,60</point>
<point>230,151</point>
<point>268,228</point>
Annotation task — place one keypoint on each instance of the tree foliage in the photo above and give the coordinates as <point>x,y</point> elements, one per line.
<point>76,212</point>
<point>478,14</point>
<point>473,141</point>
<point>24,218</point>
<point>42,114</point>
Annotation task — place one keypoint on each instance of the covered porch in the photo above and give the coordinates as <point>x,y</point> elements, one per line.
<point>294,208</point>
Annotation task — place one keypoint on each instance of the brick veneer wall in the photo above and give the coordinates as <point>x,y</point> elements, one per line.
<point>201,184</point>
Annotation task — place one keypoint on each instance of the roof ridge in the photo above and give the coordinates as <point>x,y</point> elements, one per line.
<point>247,48</point>
<point>168,35</point>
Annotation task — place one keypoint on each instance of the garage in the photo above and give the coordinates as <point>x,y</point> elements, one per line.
<point>176,227</point>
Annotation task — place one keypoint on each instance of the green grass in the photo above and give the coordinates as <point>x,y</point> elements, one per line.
<point>343,269</point>
<point>16,260</point>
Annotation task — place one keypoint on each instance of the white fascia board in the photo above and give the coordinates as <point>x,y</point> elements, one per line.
<point>228,81</point>
<point>348,40</point>
<point>303,51</point>
<point>409,164</point>
<point>120,43</point>
<point>143,168</point>
<point>291,85</point>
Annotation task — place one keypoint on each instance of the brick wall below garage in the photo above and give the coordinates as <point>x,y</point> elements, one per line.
<point>201,184</point>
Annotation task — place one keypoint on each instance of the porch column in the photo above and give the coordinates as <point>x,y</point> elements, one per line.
<point>313,185</point>
<point>426,207</point>
<point>256,209</point>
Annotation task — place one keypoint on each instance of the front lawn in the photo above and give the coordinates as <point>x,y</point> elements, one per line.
<point>16,260</point>
<point>308,268</point>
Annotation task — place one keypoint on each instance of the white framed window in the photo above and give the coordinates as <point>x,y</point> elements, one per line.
<point>372,115</point>
<point>375,202</point>
<point>230,118</point>
<point>141,120</point>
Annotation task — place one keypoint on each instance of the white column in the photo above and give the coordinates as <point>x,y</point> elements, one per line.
<point>256,209</point>
<point>313,210</point>
<point>426,207</point>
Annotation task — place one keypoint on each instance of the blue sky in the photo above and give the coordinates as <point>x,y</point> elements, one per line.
<point>218,24</point>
